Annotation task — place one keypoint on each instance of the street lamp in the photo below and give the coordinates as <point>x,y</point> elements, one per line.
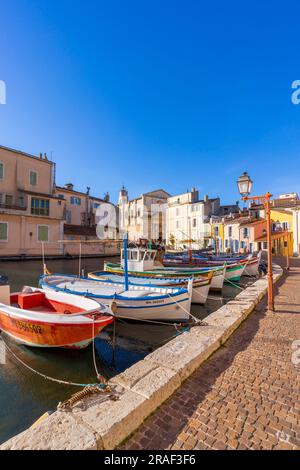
<point>244,183</point>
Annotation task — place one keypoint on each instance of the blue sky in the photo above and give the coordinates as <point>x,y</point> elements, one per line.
<point>161,94</point>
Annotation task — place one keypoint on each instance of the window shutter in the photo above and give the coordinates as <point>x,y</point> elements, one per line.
<point>43,233</point>
<point>3,231</point>
<point>33,178</point>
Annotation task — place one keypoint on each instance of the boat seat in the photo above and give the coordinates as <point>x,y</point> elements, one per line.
<point>31,300</point>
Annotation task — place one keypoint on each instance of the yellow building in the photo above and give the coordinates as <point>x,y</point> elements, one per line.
<point>282,233</point>
<point>282,220</point>
<point>217,234</point>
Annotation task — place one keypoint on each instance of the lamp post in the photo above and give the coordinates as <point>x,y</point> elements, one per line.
<point>244,183</point>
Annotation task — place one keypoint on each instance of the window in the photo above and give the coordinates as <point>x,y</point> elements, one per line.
<point>245,232</point>
<point>43,233</point>
<point>265,245</point>
<point>60,196</point>
<point>177,224</point>
<point>230,231</point>
<point>96,205</point>
<point>216,231</point>
<point>177,211</point>
<point>8,200</point>
<point>242,244</point>
<point>1,171</point>
<point>76,201</point>
<point>226,243</point>
<point>39,206</point>
<point>33,178</point>
<point>194,222</point>
<point>3,231</point>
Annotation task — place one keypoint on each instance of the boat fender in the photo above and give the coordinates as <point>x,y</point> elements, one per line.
<point>27,290</point>
<point>114,307</point>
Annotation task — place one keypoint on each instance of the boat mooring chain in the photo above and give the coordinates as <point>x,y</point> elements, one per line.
<point>87,392</point>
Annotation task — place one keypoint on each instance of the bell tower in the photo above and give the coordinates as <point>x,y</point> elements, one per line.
<point>123,196</point>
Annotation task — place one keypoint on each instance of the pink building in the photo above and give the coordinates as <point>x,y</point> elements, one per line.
<point>37,214</point>
<point>29,212</point>
<point>80,223</point>
<point>249,231</point>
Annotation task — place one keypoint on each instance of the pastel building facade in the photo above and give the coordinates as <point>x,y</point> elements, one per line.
<point>246,234</point>
<point>188,219</point>
<point>145,216</point>
<point>30,214</point>
<point>217,233</point>
<point>36,215</point>
<point>82,214</point>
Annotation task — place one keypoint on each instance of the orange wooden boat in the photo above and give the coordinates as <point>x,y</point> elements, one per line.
<point>41,318</point>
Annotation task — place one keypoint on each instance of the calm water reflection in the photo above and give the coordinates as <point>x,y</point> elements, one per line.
<point>24,396</point>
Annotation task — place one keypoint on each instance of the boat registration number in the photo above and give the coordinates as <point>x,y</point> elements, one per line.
<point>27,326</point>
<point>152,302</point>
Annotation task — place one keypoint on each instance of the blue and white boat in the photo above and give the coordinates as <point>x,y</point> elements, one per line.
<point>201,286</point>
<point>135,302</point>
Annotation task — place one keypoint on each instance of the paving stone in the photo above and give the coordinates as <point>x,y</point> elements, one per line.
<point>248,389</point>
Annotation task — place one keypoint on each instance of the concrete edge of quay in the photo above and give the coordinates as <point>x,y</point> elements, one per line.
<point>94,424</point>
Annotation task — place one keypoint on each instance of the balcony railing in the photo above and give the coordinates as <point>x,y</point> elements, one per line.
<point>40,211</point>
<point>13,207</point>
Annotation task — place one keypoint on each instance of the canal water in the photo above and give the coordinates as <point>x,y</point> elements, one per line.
<point>24,396</point>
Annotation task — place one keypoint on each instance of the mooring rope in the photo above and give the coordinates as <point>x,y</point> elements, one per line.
<point>196,320</point>
<point>93,348</point>
<point>233,283</point>
<point>47,377</point>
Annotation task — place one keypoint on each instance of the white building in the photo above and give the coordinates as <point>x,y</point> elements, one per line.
<point>144,216</point>
<point>188,219</point>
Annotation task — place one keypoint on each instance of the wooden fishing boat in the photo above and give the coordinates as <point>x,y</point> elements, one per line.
<point>251,267</point>
<point>40,318</point>
<point>232,273</point>
<point>251,262</point>
<point>174,273</point>
<point>201,285</point>
<point>137,302</point>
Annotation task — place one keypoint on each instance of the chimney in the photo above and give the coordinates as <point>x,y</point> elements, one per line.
<point>41,156</point>
<point>45,156</point>
<point>106,197</point>
<point>206,198</point>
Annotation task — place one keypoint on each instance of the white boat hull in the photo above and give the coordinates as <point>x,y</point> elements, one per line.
<point>217,282</point>
<point>165,304</point>
<point>251,269</point>
<point>200,294</point>
<point>235,274</point>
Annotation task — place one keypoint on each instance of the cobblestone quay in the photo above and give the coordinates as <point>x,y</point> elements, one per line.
<point>247,395</point>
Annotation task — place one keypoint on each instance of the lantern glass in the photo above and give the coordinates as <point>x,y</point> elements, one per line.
<point>244,184</point>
